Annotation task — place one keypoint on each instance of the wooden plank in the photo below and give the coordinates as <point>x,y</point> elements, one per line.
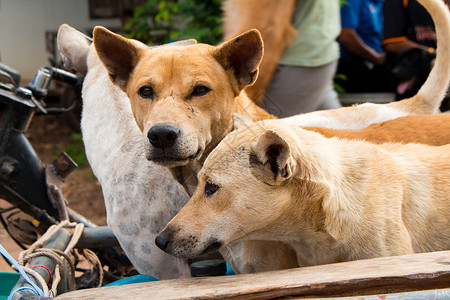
<point>439,294</point>
<point>372,276</point>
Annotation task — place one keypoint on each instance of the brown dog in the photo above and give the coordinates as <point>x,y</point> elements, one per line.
<point>331,199</point>
<point>183,98</point>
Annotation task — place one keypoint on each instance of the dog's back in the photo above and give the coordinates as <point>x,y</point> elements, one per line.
<point>425,129</point>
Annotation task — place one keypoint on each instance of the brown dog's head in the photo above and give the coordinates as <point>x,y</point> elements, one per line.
<point>245,191</point>
<point>182,97</point>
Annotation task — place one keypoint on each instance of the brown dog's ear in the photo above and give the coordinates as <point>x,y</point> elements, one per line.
<point>242,55</point>
<point>118,54</point>
<point>273,153</point>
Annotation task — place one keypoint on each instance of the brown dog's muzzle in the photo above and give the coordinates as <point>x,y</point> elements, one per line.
<point>170,146</point>
<point>163,136</point>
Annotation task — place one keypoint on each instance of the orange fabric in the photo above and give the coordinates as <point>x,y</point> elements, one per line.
<point>394,40</point>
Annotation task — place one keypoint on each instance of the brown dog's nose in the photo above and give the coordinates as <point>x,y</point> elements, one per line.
<point>162,242</point>
<point>163,136</point>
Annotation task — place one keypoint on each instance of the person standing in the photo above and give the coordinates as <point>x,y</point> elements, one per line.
<point>362,59</point>
<point>407,24</point>
<point>303,79</point>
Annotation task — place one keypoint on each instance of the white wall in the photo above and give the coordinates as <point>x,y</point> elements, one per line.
<point>23,24</point>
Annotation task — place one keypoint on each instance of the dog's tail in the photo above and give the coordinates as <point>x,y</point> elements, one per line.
<point>429,97</point>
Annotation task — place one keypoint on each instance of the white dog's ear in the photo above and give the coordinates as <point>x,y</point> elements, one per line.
<point>272,153</point>
<point>242,56</point>
<point>183,43</point>
<point>240,121</point>
<point>119,55</point>
<point>73,47</point>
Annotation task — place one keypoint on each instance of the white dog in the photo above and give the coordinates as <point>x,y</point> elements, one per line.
<point>140,197</point>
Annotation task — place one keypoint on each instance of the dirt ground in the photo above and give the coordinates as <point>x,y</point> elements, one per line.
<point>47,134</point>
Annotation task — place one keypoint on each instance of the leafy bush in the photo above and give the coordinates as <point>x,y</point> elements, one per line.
<point>163,21</point>
<point>75,150</point>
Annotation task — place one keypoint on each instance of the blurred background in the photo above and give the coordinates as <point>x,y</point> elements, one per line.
<point>28,28</point>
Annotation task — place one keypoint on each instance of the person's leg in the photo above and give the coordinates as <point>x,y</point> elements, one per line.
<point>295,90</point>
<point>330,96</point>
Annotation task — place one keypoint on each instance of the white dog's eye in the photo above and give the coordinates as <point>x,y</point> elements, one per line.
<point>200,90</point>
<point>146,92</point>
<point>210,188</point>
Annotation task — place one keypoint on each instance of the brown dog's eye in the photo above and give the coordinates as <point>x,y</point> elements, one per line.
<point>200,90</point>
<point>210,188</point>
<point>146,92</point>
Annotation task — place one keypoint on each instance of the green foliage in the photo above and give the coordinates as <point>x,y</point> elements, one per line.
<point>163,21</point>
<point>75,150</point>
<point>337,79</point>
